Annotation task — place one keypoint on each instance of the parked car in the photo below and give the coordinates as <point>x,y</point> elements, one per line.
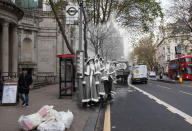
<point>152,75</point>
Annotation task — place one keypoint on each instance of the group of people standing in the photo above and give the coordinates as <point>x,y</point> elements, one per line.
<point>98,80</point>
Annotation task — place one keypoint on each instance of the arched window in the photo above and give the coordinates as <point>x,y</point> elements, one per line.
<point>27,50</point>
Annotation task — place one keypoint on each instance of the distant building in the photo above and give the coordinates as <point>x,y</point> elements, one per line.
<point>170,37</point>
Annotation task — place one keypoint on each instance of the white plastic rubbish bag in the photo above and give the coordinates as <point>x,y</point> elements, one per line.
<point>56,121</point>
<point>44,110</point>
<point>30,122</point>
<point>51,126</point>
<point>46,119</point>
<point>51,115</point>
<point>66,118</point>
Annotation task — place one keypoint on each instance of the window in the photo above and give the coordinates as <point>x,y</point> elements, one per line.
<point>168,58</point>
<point>48,8</point>
<point>175,40</point>
<point>188,59</point>
<point>27,54</point>
<point>189,70</point>
<point>168,49</point>
<point>29,4</point>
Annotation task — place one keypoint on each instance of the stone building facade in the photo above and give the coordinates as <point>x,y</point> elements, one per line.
<point>31,39</point>
<point>40,41</point>
<point>165,49</point>
<point>9,17</point>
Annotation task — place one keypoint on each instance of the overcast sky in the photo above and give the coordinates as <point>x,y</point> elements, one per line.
<point>127,34</point>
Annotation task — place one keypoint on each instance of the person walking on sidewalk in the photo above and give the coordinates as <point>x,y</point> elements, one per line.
<point>25,80</point>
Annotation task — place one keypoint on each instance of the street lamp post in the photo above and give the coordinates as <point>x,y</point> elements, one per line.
<point>80,58</point>
<point>80,26</point>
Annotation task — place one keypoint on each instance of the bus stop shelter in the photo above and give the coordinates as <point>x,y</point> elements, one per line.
<point>66,74</point>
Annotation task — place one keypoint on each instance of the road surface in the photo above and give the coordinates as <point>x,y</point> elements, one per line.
<point>155,106</point>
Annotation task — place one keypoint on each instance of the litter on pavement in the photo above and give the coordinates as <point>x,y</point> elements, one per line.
<point>46,119</point>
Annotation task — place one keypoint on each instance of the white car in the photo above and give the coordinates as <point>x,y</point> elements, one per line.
<point>152,75</point>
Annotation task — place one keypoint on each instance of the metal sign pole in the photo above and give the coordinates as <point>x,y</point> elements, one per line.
<point>80,49</point>
<point>80,27</point>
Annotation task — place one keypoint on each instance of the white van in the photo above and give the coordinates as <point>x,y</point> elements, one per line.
<point>139,74</point>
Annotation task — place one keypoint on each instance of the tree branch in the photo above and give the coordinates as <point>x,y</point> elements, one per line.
<point>61,28</point>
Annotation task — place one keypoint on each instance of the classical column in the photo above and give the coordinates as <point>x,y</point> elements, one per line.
<point>5,47</point>
<point>14,50</point>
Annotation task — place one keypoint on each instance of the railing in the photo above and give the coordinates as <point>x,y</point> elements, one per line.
<point>47,77</point>
<point>9,75</point>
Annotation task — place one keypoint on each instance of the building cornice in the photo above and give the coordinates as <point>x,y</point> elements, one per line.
<point>11,7</point>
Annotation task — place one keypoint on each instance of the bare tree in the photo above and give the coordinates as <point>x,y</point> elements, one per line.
<point>62,29</point>
<point>106,40</point>
<point>97,35</point>
<point>145,52</point>
<point>128,12</point>
<point>181,12</point>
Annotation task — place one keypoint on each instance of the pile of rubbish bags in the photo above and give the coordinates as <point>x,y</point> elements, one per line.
<point>46,119</point>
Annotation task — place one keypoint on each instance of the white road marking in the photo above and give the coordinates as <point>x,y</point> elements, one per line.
<point>187,117</point>
<point>187,86</point>
<point>164,87</point>
<point>185,92</point>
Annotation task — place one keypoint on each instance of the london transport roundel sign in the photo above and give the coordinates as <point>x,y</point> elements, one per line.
<point>72,11</point>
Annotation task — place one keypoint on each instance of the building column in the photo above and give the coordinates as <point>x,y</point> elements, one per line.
<point>14,50</point>
<point>5,47</point>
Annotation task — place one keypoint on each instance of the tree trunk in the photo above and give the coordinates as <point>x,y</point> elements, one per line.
<point>96,49</point>
<point>85,34</point>
<point>61,28</point>
<point>98,11</point>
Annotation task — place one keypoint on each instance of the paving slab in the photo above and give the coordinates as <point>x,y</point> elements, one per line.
<point>48,95</point>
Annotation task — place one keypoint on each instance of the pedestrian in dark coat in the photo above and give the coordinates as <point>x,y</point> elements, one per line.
<point>25,80</point>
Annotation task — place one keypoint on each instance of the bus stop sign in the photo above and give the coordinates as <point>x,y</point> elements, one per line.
<point>72,11</point>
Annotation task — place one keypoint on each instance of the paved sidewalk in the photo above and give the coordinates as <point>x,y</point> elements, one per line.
<point>166,79</point>
<point>48,95</point>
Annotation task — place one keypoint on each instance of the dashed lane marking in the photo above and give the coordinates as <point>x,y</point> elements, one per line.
<point>158,102</point>
<point>171,110</point>
<point>187,117</point>
<point>107,122</point>
<point>186,86</point>
<point>164,87</point>
<point>185,92</point>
